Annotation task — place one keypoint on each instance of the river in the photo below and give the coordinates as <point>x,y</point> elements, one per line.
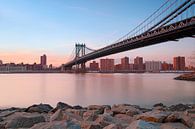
<point>23,90</point>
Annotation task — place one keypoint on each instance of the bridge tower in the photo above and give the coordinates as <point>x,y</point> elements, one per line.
<point>79,52</point>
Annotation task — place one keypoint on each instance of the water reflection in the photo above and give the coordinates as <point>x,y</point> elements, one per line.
<point>142,89</point>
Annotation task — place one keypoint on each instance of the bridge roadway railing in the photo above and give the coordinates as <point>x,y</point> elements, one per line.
<point>127,44</point>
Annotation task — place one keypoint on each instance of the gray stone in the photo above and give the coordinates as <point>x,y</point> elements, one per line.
<point>125,109</point>
<point>140,124</point>
<point>23,120</point>
<point>173,126</point>
<point>90,115</point>
<point>79,112</point>
<point>105,120</point>
<point>57,125</point>
<point>113,126</point>
<point>179,107</point>
<point>154,116</point>
<point>90,125</point>
<point>41,108</point>
<point>124,117</point>
<point>57,116</point>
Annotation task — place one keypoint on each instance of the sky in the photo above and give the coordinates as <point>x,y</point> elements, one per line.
<point>31,28</point>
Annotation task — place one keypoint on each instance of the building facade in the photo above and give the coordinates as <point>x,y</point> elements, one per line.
<point>179,63</point>
<point>43,61</point>
<point>94,66</point>
<point>106,65</point>
<point>125,63</point>
<point>138,63</point>
<point>153,66</point>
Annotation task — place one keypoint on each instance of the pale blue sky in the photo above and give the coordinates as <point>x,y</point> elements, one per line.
<point>53,26</point>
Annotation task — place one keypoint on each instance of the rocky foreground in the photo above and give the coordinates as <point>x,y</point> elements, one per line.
<point>122,116</point>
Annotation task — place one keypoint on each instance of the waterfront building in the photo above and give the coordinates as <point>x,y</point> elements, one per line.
<point>11,67</point>
<point>153,66</point>
<point>107,65</point>
<point>43,61</point>
<point>94,66</point>
<point>166,66</point>
<point>179,63</point>
<point>125,63</point>
<point>138,63</point>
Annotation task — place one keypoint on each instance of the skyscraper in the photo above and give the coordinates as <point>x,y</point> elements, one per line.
<point>44,61</point>
<point>138,63</point>
<point>94,66</point>
<point>107,65</point>
<point>179,63</point>
<point>125,63</point>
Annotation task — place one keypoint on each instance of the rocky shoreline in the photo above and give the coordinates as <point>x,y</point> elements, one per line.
<point>121,116</point>
<point>186,77</point>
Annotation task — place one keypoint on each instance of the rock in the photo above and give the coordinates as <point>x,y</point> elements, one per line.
<point>108,111</point>
<point>23,120</point>
<point>140,124</point>
<point>90,115</point>
<point>105,120</point>
<point>173,126</point>
<point>124,117</point>
<point>179,107</point>
<point>57,116</point>
<point>77,107</point>
<point>187,120</point>
<point>113,126</point>
<point>125,109</point>
<point>154,116</point>
<point>174,117</point>
<point>41,108</point>
<point>63,106</point>
<point>57,125</point>
<point>158,104</point>
<point>79,112</point>
<point>6,113</point>
<point>96,107</point>
<point>70,116</point>
<point>90,125</point>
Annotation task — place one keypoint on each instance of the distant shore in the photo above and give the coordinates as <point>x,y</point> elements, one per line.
<point>121,116</point>
<point>186,77</point>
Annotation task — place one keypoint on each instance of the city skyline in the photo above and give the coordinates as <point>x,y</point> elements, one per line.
<point>29,29</point>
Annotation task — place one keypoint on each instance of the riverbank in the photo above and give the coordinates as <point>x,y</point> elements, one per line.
<point>121,116</point>
<point>186,77</point>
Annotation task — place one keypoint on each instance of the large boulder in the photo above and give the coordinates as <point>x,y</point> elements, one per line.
<point>140,124</point>
<point>79,112</point>
<point>57,125</point>
<point>41,108</point>
<point>113,126</point>
<point>125,109</point>
<point>154,116</point>
<point>173,117</point>
<point>90,125</point>
<point>105,120</point>
<point>62,106</point>
<point>124,117</point>
<point>57,116</point>
<point>23,120</point>
<point>90,115</point>
<point>173,126</point>
<point>179,107</point>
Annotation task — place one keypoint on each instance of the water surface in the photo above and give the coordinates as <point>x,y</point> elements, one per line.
<point>22,90</point>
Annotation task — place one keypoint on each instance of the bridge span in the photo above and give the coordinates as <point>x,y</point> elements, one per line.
<point>167,29</point>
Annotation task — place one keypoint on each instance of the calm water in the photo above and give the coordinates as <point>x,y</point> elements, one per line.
<point>23,90</point>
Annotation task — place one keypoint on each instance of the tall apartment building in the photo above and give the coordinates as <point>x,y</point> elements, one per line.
<point>179,63</point>
<point>43,61</point>
<point>153,66</point>
<point>94,66</point>
<point>125,63</point>
<point>107,65</point>
<point>138,63</point>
